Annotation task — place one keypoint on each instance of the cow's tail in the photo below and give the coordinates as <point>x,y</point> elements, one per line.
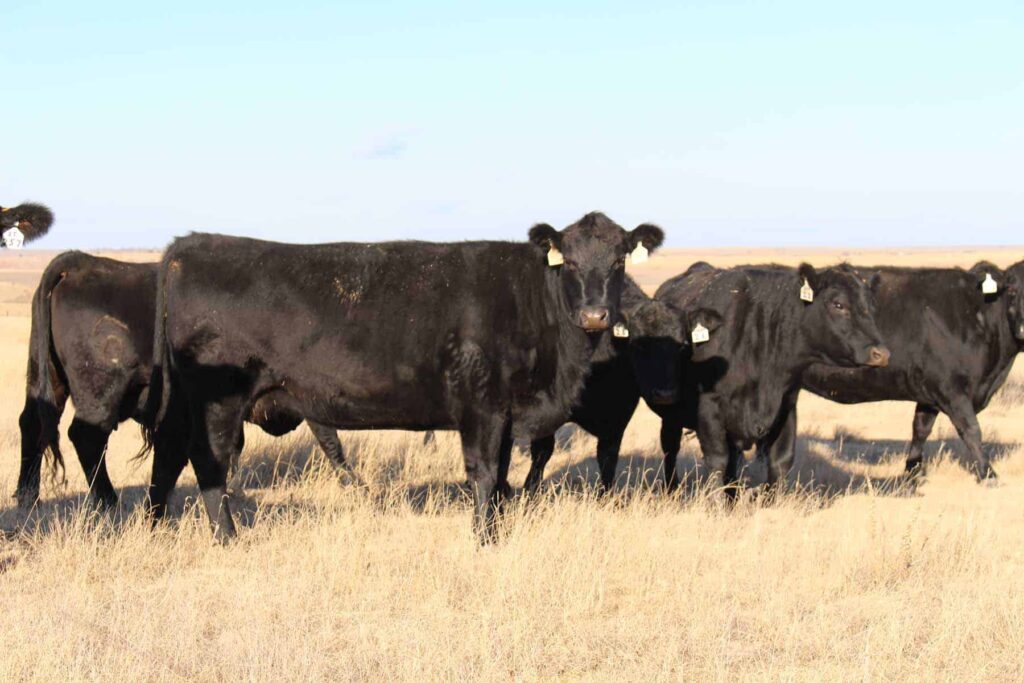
<point>159,396</point>
<point>40,421</point>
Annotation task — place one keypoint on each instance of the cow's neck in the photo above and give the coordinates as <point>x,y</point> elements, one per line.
<point>778,361</point>
<point>787,354</point>
<point>1006,350</point>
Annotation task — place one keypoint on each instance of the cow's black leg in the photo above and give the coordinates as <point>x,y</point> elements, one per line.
<point>966,422</point>
<point>170,455</point>
<point>327,437</point>
<point>29,475</point>
<point>733,470</point>
<point>924,420</point>
<point>671,438</point>
<point>487,450</point>
<point>214,437</point>
<point>540,453</point>
<point>715,445</point>
<point>90,443</point>
<point>39,427</point>
<point>779,451</point>
<point>608,447</point>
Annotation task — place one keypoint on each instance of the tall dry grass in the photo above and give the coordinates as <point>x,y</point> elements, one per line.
<point>854,577</point>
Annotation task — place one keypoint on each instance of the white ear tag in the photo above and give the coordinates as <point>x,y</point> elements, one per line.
<point>13,238</point>
<point>639,254</point>
<point>620,331</point>
<point>988,285</point>
<point>700,334</point>
<point>806,293</point>
<point>555,257</point>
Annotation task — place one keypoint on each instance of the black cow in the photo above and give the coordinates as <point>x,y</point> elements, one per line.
<point>92,341</point>
<point>493,339</point>
<point>741,386</point>
<point>33,220</point>
<point>645,363</point>
<point>952,347</point>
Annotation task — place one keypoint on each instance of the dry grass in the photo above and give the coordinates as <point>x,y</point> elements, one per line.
<point>856,579</point>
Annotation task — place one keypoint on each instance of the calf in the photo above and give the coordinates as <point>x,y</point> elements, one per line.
<point>642,359</point>
<point>740,387</point>
<point>493,339</point>
<point>952,345</point>
<point>92,341</point>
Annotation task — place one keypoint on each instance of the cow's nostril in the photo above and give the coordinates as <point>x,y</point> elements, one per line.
<point>663,396</point>
<point>594,318</point>
<point>878,356</point>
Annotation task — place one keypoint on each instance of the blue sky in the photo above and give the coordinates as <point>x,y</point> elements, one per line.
<point>728,123</point>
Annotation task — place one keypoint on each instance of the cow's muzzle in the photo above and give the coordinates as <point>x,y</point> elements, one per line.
<point>664,397</point>
<point>878,357</point>
<point>593,318</point>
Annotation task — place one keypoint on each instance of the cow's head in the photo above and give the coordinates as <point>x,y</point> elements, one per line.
<point>657,339</point>
<point>839,324</point>
<point>660,341</point>
<point>590,256</point>
<point>33,220</point>
<point>1013,291</point>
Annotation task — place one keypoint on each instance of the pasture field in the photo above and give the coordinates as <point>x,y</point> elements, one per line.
<point>856,578</point>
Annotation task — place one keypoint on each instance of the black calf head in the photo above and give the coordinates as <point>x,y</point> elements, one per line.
<point>33,220</point>
<point>660,340</point>
<point>839,324</point>
<point>590,256</point>
<point>656,341</point>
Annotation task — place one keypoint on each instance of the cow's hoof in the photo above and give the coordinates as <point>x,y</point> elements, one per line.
<point>990,482</point>
<point>27,499</point>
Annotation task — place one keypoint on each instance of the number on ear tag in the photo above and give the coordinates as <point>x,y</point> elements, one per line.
<point>988,285</point>
<point>555,257</point>
<point>700,334</point>
<point>639,254</point>
<point>13,238</point>
<point>620,331</point>
<point>806,293</point>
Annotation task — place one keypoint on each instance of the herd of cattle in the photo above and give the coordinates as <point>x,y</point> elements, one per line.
<point>497,340</point>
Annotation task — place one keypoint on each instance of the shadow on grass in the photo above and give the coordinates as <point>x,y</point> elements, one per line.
<point>288,461</point>
<point>812,472</point>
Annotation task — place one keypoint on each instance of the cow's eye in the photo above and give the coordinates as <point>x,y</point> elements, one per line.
<point>838,305</point>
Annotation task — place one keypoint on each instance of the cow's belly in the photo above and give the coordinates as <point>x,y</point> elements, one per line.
<point>367,400</point>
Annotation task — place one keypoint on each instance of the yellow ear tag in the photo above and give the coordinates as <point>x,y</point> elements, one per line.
<point>806,293</point>
<point>700,334</point>
<point>988,285</point>
<point>620,331</point>
<point>555,257</point>
<point>639,254</point>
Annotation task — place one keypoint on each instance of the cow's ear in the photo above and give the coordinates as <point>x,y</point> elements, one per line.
<point>808,273</point>
<point>545,237</point>
<point>702,327</point>
<point>989,278</point>
<point>34,220</point>
<point>647,234</point>
<point>710,319</point>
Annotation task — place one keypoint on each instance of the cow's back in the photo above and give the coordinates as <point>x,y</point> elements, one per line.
<point>351,327</point>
